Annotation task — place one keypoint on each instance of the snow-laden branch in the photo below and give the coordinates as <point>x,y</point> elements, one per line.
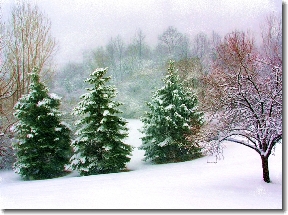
<point>244,98</point>
<point>243,142</point>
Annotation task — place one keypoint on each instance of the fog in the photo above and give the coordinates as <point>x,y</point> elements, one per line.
<point>79,25</point>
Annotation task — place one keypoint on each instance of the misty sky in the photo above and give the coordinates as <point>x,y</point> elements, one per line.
<point>84,24</point>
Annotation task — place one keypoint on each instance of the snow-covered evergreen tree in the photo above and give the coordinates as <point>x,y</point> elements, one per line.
<point>171,122</point>
<point>99,146</point>
<point>43,141</point>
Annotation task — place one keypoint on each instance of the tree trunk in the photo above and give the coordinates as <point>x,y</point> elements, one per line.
<point>265,168</point>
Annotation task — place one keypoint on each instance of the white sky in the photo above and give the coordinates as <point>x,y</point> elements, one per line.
<point>85,24</point>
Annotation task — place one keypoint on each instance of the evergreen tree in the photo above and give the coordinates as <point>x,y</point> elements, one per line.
<point>43,141</point>
<point>99,147</point>
<point>172,120</point>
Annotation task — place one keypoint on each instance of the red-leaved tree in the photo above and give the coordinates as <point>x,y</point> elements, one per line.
<point>244,97</point>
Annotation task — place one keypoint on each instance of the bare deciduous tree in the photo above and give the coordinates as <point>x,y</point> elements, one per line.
<point>119,47</point>
<point>244,98</point>
<point>272,40</point>
<point>29,45</point>
<point>171,39</point>
<point>139,42</point>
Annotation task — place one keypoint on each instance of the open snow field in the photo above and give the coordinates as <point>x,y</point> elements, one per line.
<point>233,183</point>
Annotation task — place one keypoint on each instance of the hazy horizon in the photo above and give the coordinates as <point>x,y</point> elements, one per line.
<point>81,25</point>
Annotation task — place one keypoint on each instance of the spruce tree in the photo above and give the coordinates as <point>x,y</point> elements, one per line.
<point>171,121</point>
<point>99,146</point>
<point>43,141</point>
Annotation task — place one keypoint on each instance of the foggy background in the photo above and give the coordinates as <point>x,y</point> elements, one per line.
<point>94,34</point>
<point>79,25</point>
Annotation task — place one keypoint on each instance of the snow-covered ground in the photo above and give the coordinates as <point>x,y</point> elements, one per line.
<point>233,183</point>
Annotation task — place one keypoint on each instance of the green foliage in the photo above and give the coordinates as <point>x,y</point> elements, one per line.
<point>43,141</point>
<point>172,120</point>
<point>99,146</point>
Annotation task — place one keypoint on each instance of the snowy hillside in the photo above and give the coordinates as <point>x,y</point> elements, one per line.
<point>233,183</point>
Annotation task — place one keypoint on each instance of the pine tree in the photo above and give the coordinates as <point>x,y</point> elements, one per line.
<point>172,120</point>
<point>43,141</point>
<point>99,146</point>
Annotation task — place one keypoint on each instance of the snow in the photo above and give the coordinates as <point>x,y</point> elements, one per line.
<point>55,96</point>
<point>232,183</point>
<point>165,142</point>
<point>106,112</point>
<point>29,135</point>
<point>169,107</point>
<point>42,103</point>
<point>58,129</point>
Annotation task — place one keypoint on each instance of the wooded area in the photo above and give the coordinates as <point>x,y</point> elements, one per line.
<point>237,79</point>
